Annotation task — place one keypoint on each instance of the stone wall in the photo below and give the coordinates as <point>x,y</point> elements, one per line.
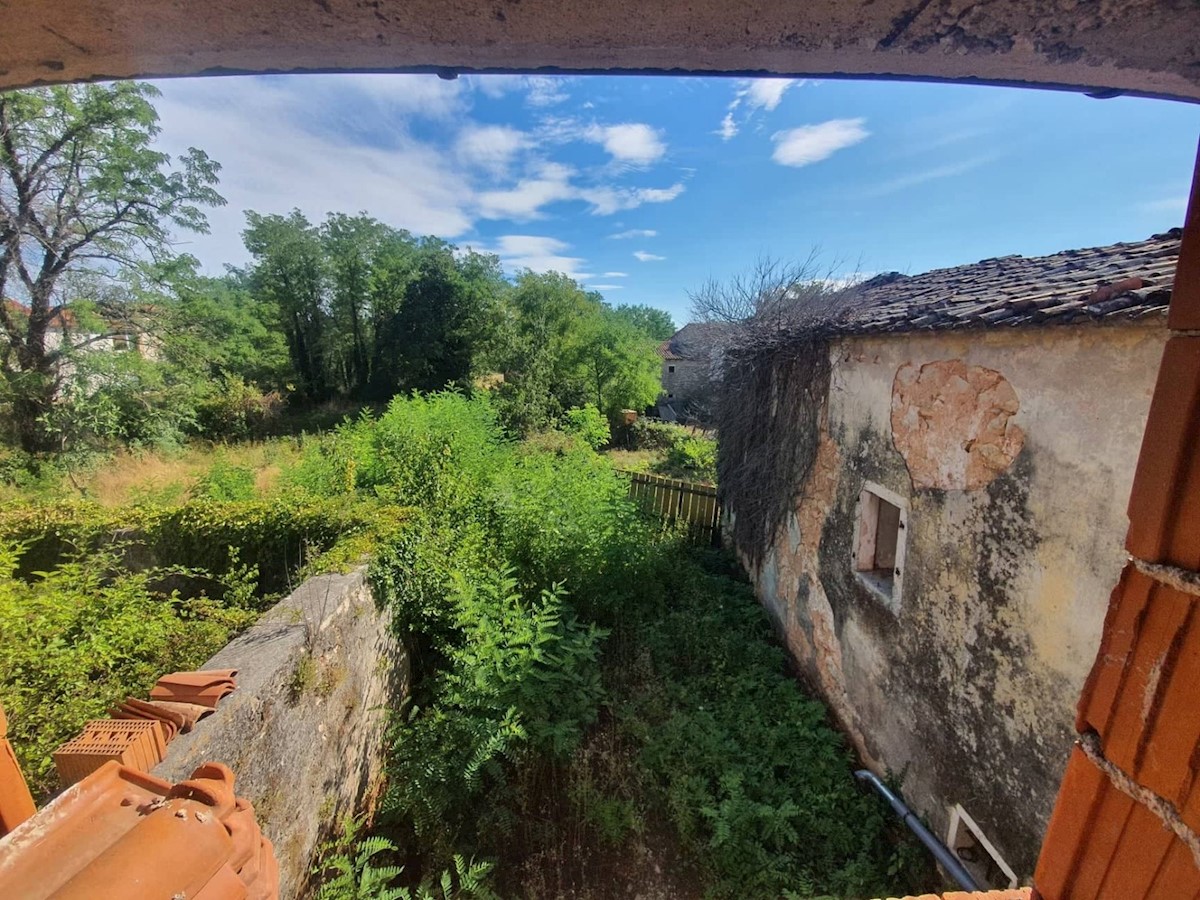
<point>1013,453</point>
<point>304,731</point>
<point>688,384</point>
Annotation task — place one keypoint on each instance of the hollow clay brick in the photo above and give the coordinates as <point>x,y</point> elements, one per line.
<point>1164,505</point>
<point>137,743</point>
<point>1184,311</point>
<point>1082,787</point>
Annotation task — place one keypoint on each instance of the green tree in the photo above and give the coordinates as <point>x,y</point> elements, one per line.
<point>81,190</point>
<point>622,369</point>
<point>352,244</point>
<point>656,324</point>
<point>218,330</point>
<point>542,358</point>
<point>290,273</point>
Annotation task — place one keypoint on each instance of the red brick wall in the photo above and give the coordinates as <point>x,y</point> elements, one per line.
<point>1127,821</point>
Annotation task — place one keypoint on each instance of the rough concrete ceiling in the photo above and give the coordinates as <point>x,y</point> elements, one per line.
<point>1138,46</point>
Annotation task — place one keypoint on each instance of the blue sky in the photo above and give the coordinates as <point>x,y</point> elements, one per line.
<point>644,187</point>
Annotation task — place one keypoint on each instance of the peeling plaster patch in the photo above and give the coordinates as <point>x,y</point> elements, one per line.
<point>952,424</point>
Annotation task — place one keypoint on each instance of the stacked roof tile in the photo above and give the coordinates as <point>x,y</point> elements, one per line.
<point>122,833</point>
<point>1117,282</point>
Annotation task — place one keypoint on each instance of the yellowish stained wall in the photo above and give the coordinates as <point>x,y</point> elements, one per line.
<point>967,686</point>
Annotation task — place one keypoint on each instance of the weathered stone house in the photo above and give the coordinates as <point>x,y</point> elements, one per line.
<point>687,360</point>
<point>943,569</point>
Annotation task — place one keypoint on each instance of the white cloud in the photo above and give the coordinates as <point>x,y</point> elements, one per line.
<point>813,143</point>
<point>545,90</point>
<point>728,127</point>
<point>607,200</point>
<point>314,164</point>
<point>634,233</point>
<point>643,256</point>
<point>606,287</point>
<point>628,143</point>
<point>631,142</point>
<point>937,172</point>
<point>616,274</point>
<point>752,95</point>
<point>539,253</point>
<point>492,148</point>
<point>524,201</point>
<point>540,90</point>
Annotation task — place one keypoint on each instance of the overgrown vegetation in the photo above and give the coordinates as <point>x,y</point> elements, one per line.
<point>82,636</point>
<point>665,448</point>
<point>543,611</point>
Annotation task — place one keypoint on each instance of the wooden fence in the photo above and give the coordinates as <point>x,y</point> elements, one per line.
<point>680,501</point>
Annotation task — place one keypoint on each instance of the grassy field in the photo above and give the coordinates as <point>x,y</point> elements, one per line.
<point>166,478</point>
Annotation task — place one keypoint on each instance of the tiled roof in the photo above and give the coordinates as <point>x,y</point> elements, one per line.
<point>695,340</point>
<point>1120,281</point>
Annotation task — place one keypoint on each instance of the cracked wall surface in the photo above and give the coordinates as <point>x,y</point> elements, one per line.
<point>968,690</point>
<point>1144,46</point>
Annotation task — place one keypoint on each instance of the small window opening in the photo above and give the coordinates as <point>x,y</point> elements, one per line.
<point>981,858</point>
<point>879,541</point>
<point>670,368</point>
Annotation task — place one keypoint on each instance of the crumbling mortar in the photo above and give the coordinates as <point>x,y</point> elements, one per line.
<point>1164,810</point>
<point>1183,580</point>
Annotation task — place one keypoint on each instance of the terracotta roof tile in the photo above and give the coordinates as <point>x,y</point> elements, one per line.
<point>121,833</point>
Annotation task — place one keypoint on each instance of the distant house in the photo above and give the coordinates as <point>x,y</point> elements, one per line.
<point>687,363</point>
<point>64,328</point>
<point>942,571</point>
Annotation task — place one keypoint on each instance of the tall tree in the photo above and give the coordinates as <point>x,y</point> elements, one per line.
<point>81,189</point>
<point>290,272</point>
<point>352,244</point>
<point>656,324</point>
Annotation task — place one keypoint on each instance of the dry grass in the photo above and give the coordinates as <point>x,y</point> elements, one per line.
<point>636,460</point>
<point>172,477</point>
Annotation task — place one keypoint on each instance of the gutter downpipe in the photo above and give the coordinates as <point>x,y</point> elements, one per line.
<point>948,861</point>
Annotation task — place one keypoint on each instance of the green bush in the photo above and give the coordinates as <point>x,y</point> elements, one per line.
<point>588,424</point>
<point>754,778</point>
<point>352,867</point>
<point>518,560</point>
<point>237,409</point>
<point>86,634</point>
<point>279,536</point>
<point>691,458</point>
<point>226,481</point>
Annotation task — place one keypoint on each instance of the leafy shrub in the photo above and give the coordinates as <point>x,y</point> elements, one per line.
<point>588,424</point>
<point>237,409</point>
<point>225,481</point>
<point>349,870</point>
<point>517,562</point>
<point>279,536</point>
<point>691,457</point>
<point>646,434</point>
<point>754,778</point>
<point>86,634</point>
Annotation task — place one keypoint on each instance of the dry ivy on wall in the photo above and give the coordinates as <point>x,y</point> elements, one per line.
<point>771,400</point>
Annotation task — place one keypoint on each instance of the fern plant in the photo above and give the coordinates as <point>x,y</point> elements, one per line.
<point>350,870</point>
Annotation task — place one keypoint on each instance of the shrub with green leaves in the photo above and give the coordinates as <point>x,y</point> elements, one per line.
<point>82,636</point>
<point>226,481</point>
<point>353,867</point>
<point>516,559</point>
<point>588,424</point>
